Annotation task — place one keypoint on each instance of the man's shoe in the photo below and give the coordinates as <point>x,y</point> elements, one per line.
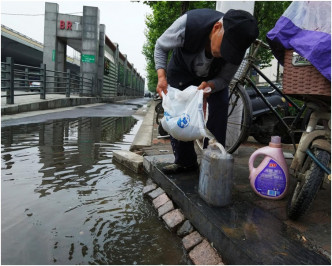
<point>177,168</point>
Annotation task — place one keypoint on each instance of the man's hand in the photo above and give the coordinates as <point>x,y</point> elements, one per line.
<point>204,85</point>
<point>162,82</point>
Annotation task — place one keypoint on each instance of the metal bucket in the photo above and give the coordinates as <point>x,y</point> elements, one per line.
<point>216,176</point>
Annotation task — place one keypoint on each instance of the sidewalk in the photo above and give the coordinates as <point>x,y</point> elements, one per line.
<point>252,230</point>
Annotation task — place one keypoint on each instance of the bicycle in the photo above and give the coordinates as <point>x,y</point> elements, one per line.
<point>240,112</point>
<point>312,159</point>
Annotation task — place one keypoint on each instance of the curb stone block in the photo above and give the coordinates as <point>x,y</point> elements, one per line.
<point>34,106</point>
<point>147,166</point>
<point>204,254</point>
<point>155,193</point>
<point>185,229</point>
<point>129,159</point>
<point>149,188</point>
<point>160,200</point>
<point>149,182</point>
<point>173,219</point>
<point>43,105</point>
<point>167,207</point>
<point>192,240</point>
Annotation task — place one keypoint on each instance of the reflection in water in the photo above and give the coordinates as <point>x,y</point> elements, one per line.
<point>65,202</point>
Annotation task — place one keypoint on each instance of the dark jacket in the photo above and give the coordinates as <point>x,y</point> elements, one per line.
<point>180,72</point>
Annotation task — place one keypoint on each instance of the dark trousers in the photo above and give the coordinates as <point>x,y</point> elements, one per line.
<point>184,152</point>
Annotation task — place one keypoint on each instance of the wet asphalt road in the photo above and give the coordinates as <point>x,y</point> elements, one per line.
<point>62,192</point>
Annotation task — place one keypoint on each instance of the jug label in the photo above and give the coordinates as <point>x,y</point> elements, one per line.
<point>271,181</point>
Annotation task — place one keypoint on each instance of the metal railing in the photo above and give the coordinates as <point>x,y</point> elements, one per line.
<point>16,78</point>
<point>115,84</point>
<point>21,80</point>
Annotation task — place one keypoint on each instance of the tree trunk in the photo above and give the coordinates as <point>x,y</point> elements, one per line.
<point>184,7</point>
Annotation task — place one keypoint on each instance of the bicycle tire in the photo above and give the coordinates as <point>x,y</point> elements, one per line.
<point>239,118</point>
<point>307,187</point>
<point>162,131</point>
<point>159,112</point>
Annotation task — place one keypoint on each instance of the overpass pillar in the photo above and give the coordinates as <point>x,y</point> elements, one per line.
<point>90,47</point>
<point>54,55</point>
<point>101,58</point>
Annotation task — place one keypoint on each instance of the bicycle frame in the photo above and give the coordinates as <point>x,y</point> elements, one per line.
<point>260,94</point>
<point>245,78</point>
<point>311,137</point>
<point>310,161</point>
<point>314,138</point>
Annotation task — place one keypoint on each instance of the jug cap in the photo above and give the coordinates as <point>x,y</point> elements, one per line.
<point>275,142</point>
<point>275,139</point>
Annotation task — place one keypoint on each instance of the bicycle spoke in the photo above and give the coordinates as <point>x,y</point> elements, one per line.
<point>239,118</point>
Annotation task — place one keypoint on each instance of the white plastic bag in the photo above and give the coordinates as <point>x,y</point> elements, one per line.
<point>183,117</point>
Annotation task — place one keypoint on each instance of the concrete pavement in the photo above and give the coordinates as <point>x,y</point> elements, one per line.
<point>252,230</point>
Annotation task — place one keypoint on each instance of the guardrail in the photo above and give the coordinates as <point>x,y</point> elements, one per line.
<point>16,78</point>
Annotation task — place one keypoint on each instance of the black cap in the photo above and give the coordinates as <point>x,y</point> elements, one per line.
<point>240,30</point>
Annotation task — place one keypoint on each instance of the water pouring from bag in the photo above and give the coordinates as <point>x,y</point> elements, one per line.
<point>206,91</point>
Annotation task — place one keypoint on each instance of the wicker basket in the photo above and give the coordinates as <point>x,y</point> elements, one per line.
<point>303,78</point>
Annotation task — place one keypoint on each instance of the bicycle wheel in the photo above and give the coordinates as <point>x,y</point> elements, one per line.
<point>264,127</point>
<point>159,112</point>
<point>308,185</point>
<point>239,118</point>
<point>162,131</point>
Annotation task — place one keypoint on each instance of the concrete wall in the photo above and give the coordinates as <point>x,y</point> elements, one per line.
<point>101,56</point>
<point>50,41</point>
<point>271,72</point>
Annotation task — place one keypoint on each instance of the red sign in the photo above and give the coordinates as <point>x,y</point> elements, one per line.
<point>63,25</point>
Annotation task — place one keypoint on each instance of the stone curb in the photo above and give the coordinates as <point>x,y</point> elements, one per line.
<point>143,137</point>
<point>129,159</point>
<point>198,249</point>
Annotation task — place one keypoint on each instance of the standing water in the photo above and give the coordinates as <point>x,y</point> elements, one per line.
<point>63,201</point>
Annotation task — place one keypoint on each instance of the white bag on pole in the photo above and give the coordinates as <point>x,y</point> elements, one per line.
<point>183,117</point>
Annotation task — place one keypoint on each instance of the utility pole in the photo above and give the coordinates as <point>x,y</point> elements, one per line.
<point>224,6</point>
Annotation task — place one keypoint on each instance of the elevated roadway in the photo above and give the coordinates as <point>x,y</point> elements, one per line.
<point>25,50</point>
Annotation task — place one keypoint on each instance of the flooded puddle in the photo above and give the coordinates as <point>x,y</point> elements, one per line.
<point>63,201</point>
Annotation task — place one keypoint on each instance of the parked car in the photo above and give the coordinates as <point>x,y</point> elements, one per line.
<point>147,94</point>
<point>278,85</point>
<point>35,86</point>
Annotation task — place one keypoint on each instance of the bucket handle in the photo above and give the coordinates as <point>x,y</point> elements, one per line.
<point>218,145</point>
<point>213,141</point>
